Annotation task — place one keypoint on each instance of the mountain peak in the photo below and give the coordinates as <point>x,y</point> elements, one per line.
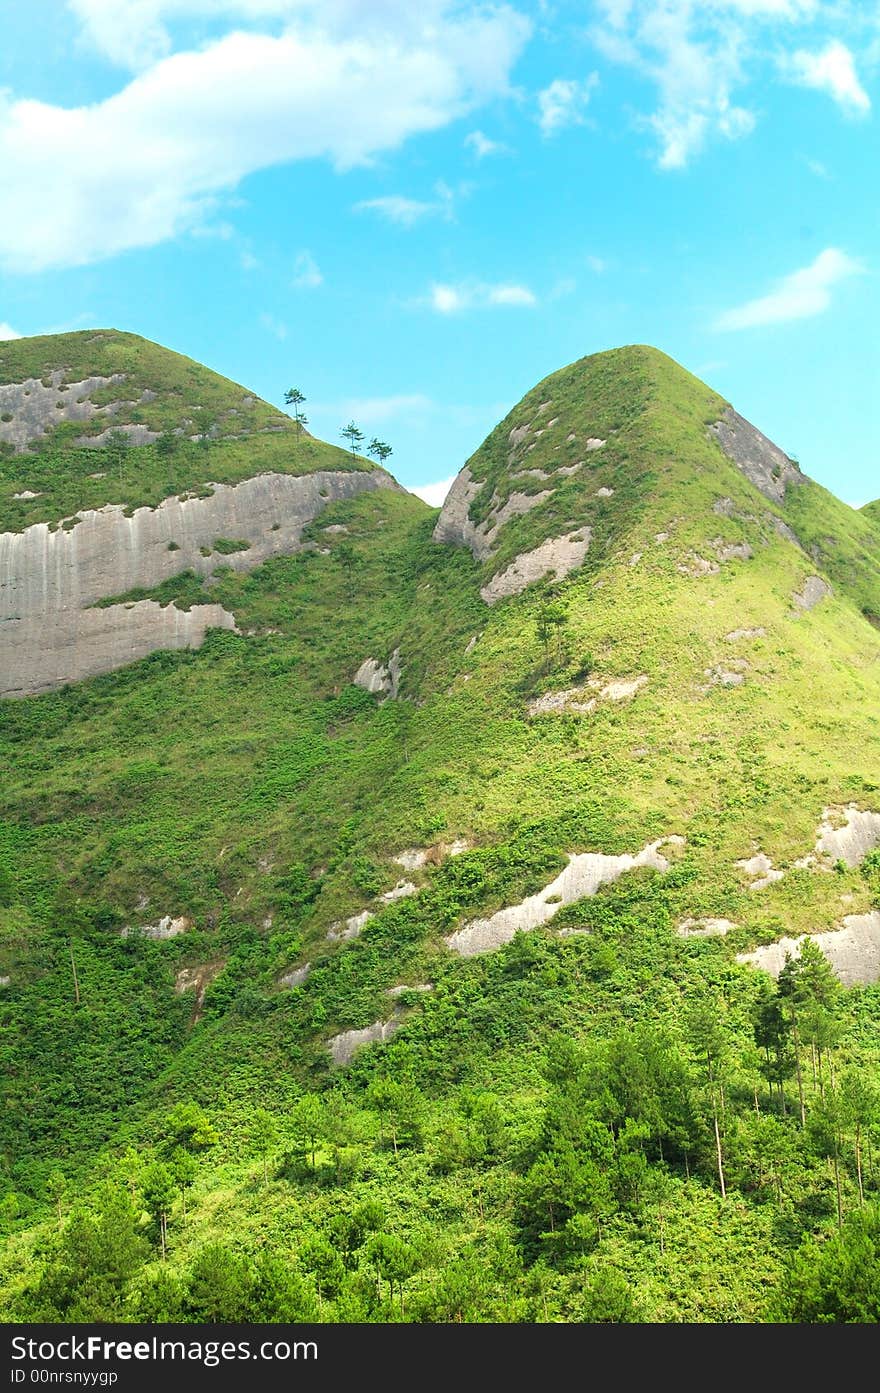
<point>75,388</point>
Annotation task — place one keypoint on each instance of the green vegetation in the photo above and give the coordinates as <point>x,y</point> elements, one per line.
<point>616,1123</point>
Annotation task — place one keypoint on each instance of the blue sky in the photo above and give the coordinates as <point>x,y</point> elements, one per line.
<point>413,217</point>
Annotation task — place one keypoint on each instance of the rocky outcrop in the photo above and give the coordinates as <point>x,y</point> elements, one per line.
<point>454,525</point>
<point>557,557</point>
<point>35,407</point>
<point>811,592</point>
<point>343,1046</point>
<point>853,950</point>
<point>762,462</point>
<point>378,679</point>
<point>576,699</point>
<point>167,927</point>
<point>49,577</point>
<point>296,976</point>
<point>849,834</point>
<point>345,929</point>
<point>582,877</point>
<point>760,871</point>
<point>38,654</point>
<point>704,928</point>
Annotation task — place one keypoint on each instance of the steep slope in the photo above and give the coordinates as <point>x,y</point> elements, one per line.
<point>166,513</point>
<point>289,869</point>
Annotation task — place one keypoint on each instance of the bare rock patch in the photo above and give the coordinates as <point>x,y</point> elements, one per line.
<point>760,871</point>
<point>762,462</point>
<point>704,928</point>
<point>577,699</point>
<point>380,679</point>
<point>556,556</point>
<point>344,930</point>
<point>342,1047</point>
<point>169,926</point>
<point>296,976</point>
<point>698,566</point>
<point>852,950</point>
<point>584,875</point>
<point>848,834</point>
<point>736,634</point>
<point>811,592</point>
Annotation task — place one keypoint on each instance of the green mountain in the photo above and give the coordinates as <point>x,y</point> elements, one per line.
<point>396,938</point>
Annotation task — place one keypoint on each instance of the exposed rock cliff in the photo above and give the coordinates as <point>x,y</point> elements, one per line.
<point>49,577</point>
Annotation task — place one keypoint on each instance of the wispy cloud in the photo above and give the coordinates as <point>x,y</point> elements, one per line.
<point>799,295</point>
<point>274,326</point>
<point>434,494</point>
<point>597,264</point>
<point>406,212</point>
<point>832,70</point>
<point>697,56</point>
<point>7,332</point>
<point>451,299</point>
<point>306,272</point>
<point>248,261</point>
<point>563,103</point>
<point>483,146</point>
<point>377,411</point>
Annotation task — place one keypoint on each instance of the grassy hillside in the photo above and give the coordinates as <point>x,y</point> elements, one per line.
<point>211,430</point>
<point>538,1139</point>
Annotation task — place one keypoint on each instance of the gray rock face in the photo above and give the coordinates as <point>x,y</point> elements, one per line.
<point>762,462</point>
<point>813,590</point>
<point>582,877</point>
<point>557,557</point>
<point>383,682</point>
<point>853,839</point>
<point>853,950</point>
<point>455,527</point>
<point>48,579</point>
<point>167,927</point>
<point>35,408</point>
<point>41,653</point>
<point>296,977</point>
<point>344,1045</point>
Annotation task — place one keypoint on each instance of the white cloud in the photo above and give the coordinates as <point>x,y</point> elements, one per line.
<point>7,332</point>
<point>697,53</point>
<point>376,411</point>
<point>434,494</point>
<point>445,299</point>
<point>832,70</point>
<point>510,295</point>
<point>818,168</point>
<point>406,212</point>
<point>248,261</point>
<point>797,296</point>
<point>483,146</point>
<point>306,272</point>
<point>152,160</point>
<point>563,102</point>
<point>450,299</point>
<point>274,326</point>
<point>597,264</point>
<point>138,33</point>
